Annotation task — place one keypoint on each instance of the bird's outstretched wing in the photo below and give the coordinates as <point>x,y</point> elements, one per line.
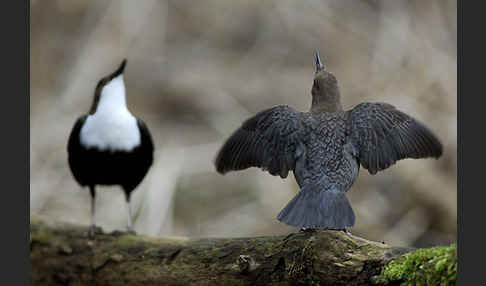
<point>383,135</point>
<point>269,140</point>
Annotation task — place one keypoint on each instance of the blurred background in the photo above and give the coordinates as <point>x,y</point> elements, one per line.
<point>197,69</point>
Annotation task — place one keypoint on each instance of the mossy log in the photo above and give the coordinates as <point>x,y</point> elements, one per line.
<point>62,254</point>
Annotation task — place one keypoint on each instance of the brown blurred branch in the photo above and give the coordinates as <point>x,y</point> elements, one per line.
<point>62,254</point>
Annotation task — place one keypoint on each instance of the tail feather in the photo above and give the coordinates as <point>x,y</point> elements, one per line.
<point>318,209</point>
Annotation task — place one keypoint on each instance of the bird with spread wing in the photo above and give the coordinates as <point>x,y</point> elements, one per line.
<point>324,148</point>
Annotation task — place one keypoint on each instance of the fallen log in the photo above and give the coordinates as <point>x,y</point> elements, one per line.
<point>62,254</point>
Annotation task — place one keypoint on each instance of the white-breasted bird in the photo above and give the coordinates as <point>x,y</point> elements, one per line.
<point>109,145</point>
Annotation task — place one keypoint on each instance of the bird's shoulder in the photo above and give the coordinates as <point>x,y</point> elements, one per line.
<point>78,124</point>
<point>367,109</point>
<point>145,134</point>
<point>276,115</point>
<point>73,141</point>
<point>141,124</point>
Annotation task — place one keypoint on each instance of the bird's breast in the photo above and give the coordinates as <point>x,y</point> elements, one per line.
<point>115,132</point>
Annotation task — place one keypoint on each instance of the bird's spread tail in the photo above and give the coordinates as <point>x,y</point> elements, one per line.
<point>318,209</point>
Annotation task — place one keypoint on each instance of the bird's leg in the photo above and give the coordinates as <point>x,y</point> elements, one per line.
<point>346,231</point>
<point>92,227</point>
<point>129,213</point>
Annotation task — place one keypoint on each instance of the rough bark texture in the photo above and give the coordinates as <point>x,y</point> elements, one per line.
<point>61,254</point>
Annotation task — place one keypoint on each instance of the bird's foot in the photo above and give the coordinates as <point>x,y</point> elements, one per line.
<point>305,229</point>
<point>131,231</point>
<point>121,232</point>
<point>93,231</point>
<point>346,231</point>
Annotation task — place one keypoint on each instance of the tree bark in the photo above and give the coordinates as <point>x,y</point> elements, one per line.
<point>62,254</point>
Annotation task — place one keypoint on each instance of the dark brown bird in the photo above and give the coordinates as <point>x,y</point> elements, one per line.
<point>325,147</point>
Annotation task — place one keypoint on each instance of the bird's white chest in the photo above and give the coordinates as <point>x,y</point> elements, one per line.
<point>110,131</point>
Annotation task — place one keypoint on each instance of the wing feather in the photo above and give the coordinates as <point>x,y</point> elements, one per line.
<point>268,140</point>
<point>383,135</point>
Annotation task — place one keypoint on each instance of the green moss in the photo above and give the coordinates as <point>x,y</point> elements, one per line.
<point>430,266</point>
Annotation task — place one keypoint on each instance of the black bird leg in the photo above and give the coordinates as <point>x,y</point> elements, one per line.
<point>92,226</point>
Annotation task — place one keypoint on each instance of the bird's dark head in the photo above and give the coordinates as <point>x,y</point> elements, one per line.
<point>109,84</point>
<point>325,90</point>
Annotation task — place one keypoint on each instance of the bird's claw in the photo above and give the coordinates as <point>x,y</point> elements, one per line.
<point>346,231</point>
<point>304,229</point>
<point>131,231</point>
<point>93,231</point>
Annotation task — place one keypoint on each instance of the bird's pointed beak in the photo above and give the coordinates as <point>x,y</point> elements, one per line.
<point>319,65</point>
<point>120,69</point>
